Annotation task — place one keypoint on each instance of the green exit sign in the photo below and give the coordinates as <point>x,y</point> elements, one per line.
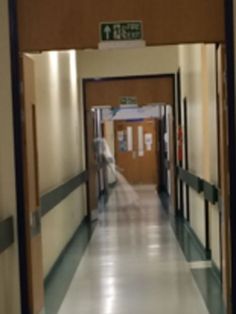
<point>128,100</point>
<point>121,31</point>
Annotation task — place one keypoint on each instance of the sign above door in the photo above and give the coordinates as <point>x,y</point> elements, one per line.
<point>128,100</point>
<point>121,31</point>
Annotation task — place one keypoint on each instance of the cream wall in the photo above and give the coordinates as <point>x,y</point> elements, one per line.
<point>59,138</point>
<point>198,79</point>
<point>190,65</point>
<point>9,276</point>
<point>59,225</point>
<point>212,174</point>
<point>191,84</point>
<point>125,62</point>
<point>60,146</point>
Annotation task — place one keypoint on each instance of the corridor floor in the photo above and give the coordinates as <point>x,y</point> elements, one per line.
<point>133,264</point>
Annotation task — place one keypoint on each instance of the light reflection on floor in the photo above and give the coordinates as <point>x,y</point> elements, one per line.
<point>133,264</point>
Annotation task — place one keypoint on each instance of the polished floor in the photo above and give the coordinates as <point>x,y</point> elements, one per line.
<point>133,264</point>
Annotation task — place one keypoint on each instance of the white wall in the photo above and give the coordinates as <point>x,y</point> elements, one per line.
<point>60,145</point>
<point>198,79</point>
<point>9,276</point>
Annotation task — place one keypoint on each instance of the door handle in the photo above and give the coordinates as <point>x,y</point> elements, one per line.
<point>35,223</point>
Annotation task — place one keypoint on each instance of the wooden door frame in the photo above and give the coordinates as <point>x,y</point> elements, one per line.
<point>224,225</point>
<point>186,156</point>
<point>86,81</point>
<point>164,170</point>
<point>86,142</point>
<point>18,138</point>
<point>16,65</point>
<point>173,161</point>
<point>219,148</point>
<point>180,162</point>
<point>32,191</point>
<point>230,64</point>
<point>158,152</point>
<point>172,76</point>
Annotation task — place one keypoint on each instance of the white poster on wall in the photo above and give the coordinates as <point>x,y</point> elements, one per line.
<point>148,141</point>
<point>140,142</point>
<point>120,135</point>
<point>129,139</point>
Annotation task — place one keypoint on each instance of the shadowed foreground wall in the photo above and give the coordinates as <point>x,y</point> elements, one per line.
<point>9,276</point>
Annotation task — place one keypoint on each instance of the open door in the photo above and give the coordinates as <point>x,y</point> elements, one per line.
<point>32,198</point>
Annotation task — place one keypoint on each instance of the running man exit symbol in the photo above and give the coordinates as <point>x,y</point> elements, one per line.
<point>118,31</point>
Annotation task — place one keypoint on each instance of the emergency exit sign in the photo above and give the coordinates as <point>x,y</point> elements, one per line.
<point>121,31</point>
<point>128,100</point>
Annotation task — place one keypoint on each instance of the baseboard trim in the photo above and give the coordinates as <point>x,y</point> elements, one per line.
<point>206,253</point>
<point>210,288</point>
<point>190,244</point>
<point>84,222</point>
<point>217,272</point>
<point>58,280</point>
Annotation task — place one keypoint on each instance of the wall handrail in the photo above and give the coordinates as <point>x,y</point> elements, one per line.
<point>53,198</point>
<point>190,179</point>
<point>210,191</point>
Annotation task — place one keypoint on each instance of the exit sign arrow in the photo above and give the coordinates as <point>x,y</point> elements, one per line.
<point>107,31</point>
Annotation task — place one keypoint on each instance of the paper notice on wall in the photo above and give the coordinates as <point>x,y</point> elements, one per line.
<point>120,135</point>
<point>141,153</point>
<point>122,141</point>
<point>129,139</point>
<point>148,141</point>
